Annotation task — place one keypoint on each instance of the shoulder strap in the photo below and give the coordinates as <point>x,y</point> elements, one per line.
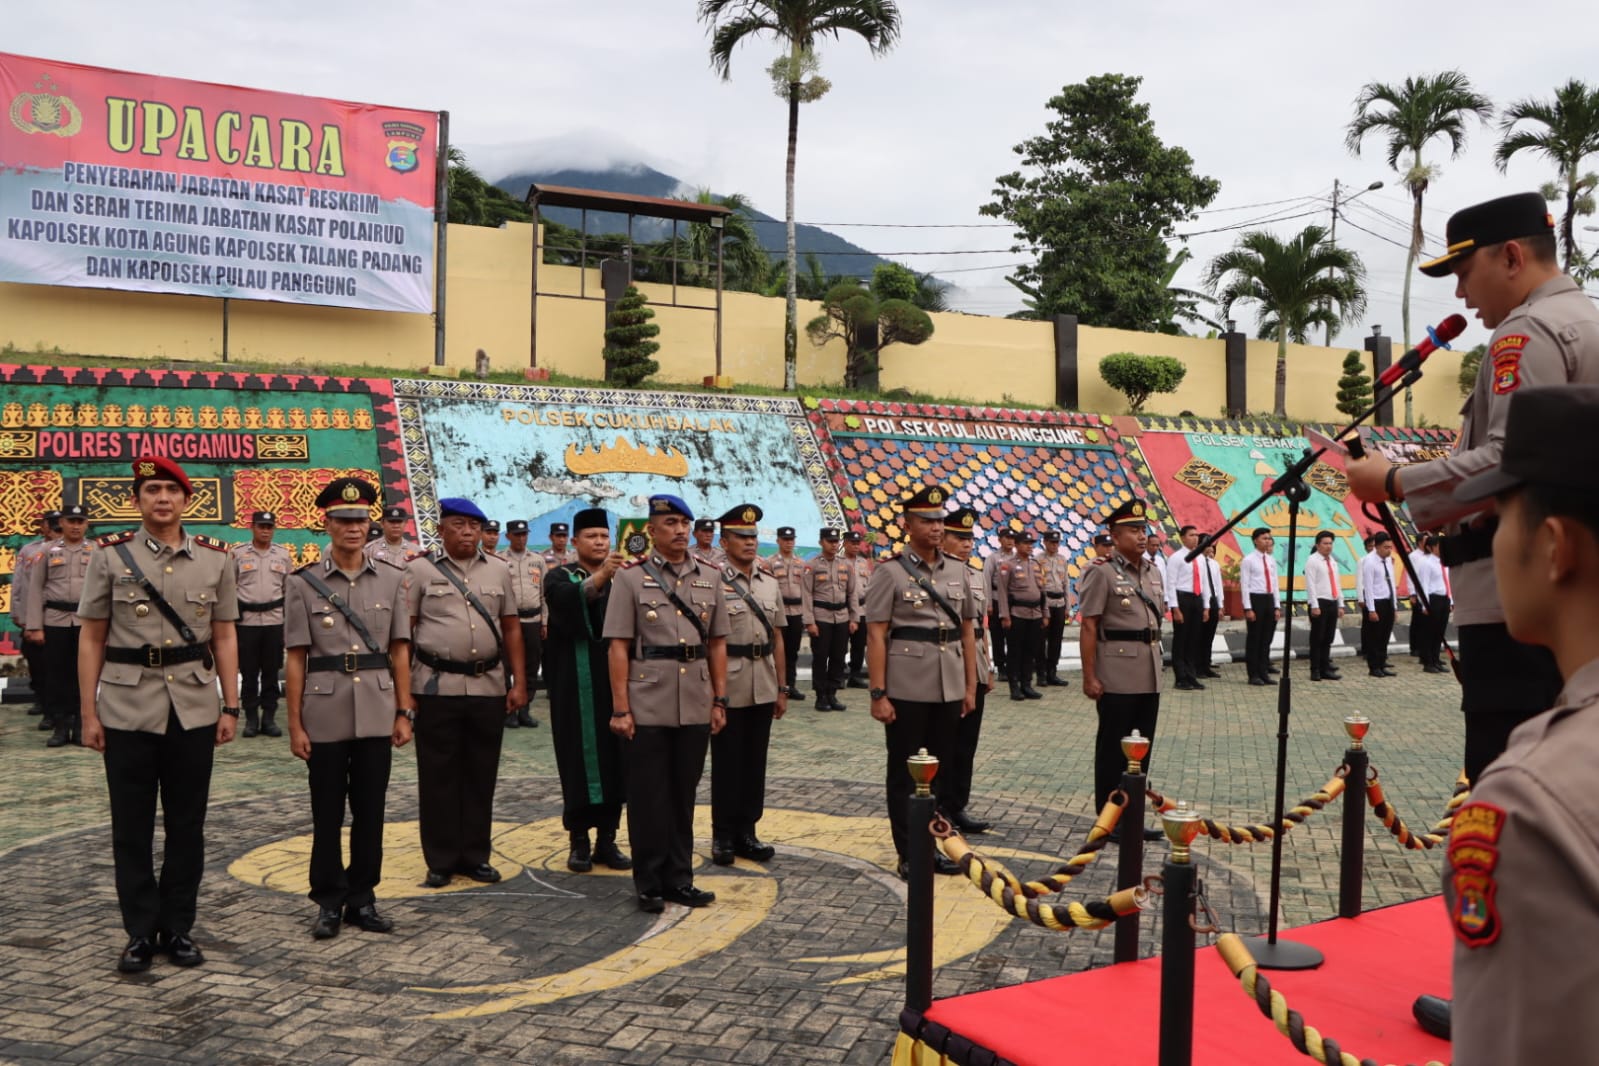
<point>477,604</point>
<point>732,575</point>
<point>1138,589</point>
<point>927,587</point>
<point>344,608</point>
<point>671,594</point>
<point>156,598</point>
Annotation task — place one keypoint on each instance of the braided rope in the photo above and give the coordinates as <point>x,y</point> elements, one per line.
<point>1258,833</point>
<point>1407,837</point>
<point>1096,914</point>
<point>1098,836</point>
<point>1307,1040</point>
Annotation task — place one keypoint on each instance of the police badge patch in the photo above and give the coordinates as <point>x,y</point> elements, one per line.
<point>1473,854</point>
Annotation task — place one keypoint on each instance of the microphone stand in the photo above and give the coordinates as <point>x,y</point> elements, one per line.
<point>1270,952</point>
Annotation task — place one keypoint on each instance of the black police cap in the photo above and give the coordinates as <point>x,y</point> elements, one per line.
<point>516,525</point>
<point>1480,225</point>
<point>347,497</point>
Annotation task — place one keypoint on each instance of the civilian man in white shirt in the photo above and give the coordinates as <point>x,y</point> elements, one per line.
<point>1262,605</point>
<point>1326,599</point>
<point>1429,569</point>
<point>1377,605</point>
<point>1185,596</point>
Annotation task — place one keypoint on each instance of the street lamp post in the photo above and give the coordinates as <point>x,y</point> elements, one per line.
<point>1332,234</point>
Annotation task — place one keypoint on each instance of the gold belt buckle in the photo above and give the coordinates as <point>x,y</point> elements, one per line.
<point>480,667</point>
<point>349,662</point>
<point>152,656</point>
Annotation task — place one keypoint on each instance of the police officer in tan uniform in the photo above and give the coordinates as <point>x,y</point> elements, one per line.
<point>350,705</point>
<point>704,550</point>
<point>667,624</point>
<point>1522,876</point>
<point>1057,580</point>
<point>755,694</point>
<point>491,537</point>
<point>262,574</point>
<point>921,651</point>
<point>1021,615</point>
<point>996,630</point>
<point>1122,600</point>
<point>466,645</point>
<point>559,554</point>
<point>959,539</point>
<point>858,557</point>
<point>55,585</point>
<point>789,570</point>
<point>395,546</point>
<point>33,653</point>
<point>830,587</point>
<point>158,613</point>
<point>528,571</point>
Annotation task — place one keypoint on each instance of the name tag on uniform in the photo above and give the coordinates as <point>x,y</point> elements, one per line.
<point>651,584</point>
<point>246,567</point>
<point>702,584</point>
<point>58,560</point>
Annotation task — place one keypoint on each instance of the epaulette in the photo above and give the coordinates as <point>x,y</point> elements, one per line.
<point>307,566</point>
<point>111,540</point>
<point>892,557</point>
<point>211,542</point>
<point>1100,560</point>
<point>413,556</point>
<point>386,561</point>
<point>631,563</point>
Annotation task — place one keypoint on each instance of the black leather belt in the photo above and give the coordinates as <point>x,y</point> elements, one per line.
<point>529,612</point>
<point>1470,544</point>
<point>155,658</point>
<point>749,651</point>
<point>1052,596</point>
<point>270,605</point>
<point>1026,603</point>
<point>62,605</point>
<point>346,664</point>
<point>824,605</point>
<point>475,668</point>
<point>683,653</point>
<point>793,601</point>
<point>1140,636</point>
<point>925,634</point>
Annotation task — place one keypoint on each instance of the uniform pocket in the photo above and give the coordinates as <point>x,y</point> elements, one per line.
<point>903,649</point>
<point>121,674</point>
<point>199,604</point>
<point>318,683</point>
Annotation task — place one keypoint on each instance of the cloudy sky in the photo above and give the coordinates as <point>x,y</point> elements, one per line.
<point>1259,93</point>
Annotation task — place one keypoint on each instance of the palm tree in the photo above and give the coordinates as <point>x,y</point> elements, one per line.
<point>1296,284</point>
<point>797,24</point>
<point>745,262</point>
<point>1185,302</point>
<point>1570,134</point>
<point>1410,116</point>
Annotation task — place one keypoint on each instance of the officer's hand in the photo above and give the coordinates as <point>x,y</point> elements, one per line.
<point>782,704</point>
<point>622,725</point>
<point>227,725</point>
<point>544,632</point>
<point>883,710</point>
<point>1004,623</point>
<point>34,636</point>
<point>1249,616</point>
<point>1371,616</point>
<point>1366,476</point>
<point>1093,687</point>
<point>613,562</point>
<point>814,630</point>
<point>718,718</point>
<point>1206,616</point>
<point>1277,615</point>
<point>969,703</point>
<point>516,699</point>
<point>402,731</point>
<point>92,733</point>
<point>1315,612</point>
<point>852,627</point>
<point>1177,615</point>
<point>300,742</point>
<point>1340,611</point>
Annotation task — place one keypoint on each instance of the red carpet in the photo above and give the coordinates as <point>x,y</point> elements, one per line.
<point>1376,966</point>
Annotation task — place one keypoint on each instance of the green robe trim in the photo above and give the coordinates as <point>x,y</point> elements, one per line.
<point>585,702</point>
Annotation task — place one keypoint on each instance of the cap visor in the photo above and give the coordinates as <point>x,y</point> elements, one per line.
<point>1442,266</point>
<point>345,512</point>
<point>1485,486</point>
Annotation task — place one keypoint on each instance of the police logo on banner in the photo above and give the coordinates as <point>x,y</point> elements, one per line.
<point>404,137</point>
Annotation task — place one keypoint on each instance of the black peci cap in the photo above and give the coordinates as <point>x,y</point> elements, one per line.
<point>516,526</point>
<point>705,525</point>
<point>785,532</point>
<point>1480,225</point>
<point>395,514</point>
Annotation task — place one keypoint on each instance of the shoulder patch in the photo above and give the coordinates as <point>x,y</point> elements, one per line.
<point>211,542</point>
<point>111,540</point>
<point>1504,355</point>
<point>307,566</point>
<point>384,559</point>
<point>1473,855</point>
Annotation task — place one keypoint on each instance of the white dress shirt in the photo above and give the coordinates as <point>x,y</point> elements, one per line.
<point>1213,587</point>
<point>1430,572</point>
<point>1183,576</point>
<point>1258,574</point>
<point>1377,580</point>
<point>1321,578</point>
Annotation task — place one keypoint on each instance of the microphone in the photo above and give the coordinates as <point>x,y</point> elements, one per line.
<point>1438,337</point>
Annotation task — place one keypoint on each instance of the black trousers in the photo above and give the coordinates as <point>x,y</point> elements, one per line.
<point>1054,631</point>
<point>1209,640</point>
<point>793,632</point>
<point>916,725</point>
<point>857,649</point>
<point>1374,638</point>
<point>664,765</point>
<point>176,767</point>
<point>1187,636</point>
<point>829,648</point>
<point>1024,640</point>
<point>997,639</point>
<point>957,792</point>
<point>1257,639</point>
<point>260,660</point>
<point>61,672</point>
<point>457,764</point>
<point>1323,627</point>
<point>1430,642</point>
<point>738,770</point>
<point>1418,629</point>
<point>1119,714</point>
<point>354,771</point>
<point>1503,682</point>
<point>33,655</point>
<point>532,656</point>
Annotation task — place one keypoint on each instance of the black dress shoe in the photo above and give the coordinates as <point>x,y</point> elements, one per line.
<point>651,903</point>
<point>795,694</point>
<point>326,926</point>
<point>969,826</point>
<point>689,896</point>
<point>833,704</point>
<point>1056,681</point>
<point>178,948</point>
<point>1153,834</point>
<point>482,873</point>
<point>1258,681</point>
<point>436,879</point>
<point>1432,1013</point>
<point>1386,672</point>
<point>511,722</point>
<point>943,865</point>
<point>269,728</point>
<point>137,956</point>
<point>1196,686</point>
<point>1031,693</point>
<point>579,859</point>
<point>1210,673</point>
<point>526,720</point>
<point>368,918</point>
<point>752,847</point>
<point>721,851</point>
<point>608,854</point>
<point>902,870</point>
<point>857,682</point>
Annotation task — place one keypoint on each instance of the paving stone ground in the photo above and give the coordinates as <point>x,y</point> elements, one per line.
<point>561,968</point>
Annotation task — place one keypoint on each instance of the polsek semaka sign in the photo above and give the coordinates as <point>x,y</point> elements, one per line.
<point>129,181</point>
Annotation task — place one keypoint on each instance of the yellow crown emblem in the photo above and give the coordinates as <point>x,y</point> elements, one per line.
<point>1137,510</point>
<point>146,470</point>
<point>966,520</point>
<point>935,497</point>
<point>748,515</point>
<point>351,494</point>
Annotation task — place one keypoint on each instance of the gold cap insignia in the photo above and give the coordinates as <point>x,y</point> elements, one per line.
<point>749,514</point>
<point>935,497</point>
<point>147,470</point>
<point>1138,510</point>
<point>351,494</point>
<point>966,520</point>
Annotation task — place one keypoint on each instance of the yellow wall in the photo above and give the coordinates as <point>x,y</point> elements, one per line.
<point>984,360</point>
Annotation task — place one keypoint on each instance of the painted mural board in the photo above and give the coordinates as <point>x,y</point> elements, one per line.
<point>542,454</point>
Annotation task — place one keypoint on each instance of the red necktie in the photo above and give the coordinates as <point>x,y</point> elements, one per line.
<point>1196,577</point>
<point>1332,582</point>
<point>1271,579</point>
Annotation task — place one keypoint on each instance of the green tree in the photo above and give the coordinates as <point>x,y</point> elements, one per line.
<point>1188,305</point>
<point>866,325</point>
<point>1569,134</point>
<point>1295,284</point>
<point>1470,364</point>
<point>628,340</point>
<point>1138,377</point>
<point>745,264</point>
<point>1409,116</point>
<point>1098,199</point>
<point>1354,386</point>
<point>474,202</point>
<point>797,25</point>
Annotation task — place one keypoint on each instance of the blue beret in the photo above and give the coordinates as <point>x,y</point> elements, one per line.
<point>462,506</point>
<point>664,504</point>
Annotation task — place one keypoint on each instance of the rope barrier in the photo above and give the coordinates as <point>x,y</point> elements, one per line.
<point>1407,837</point>
<point>1305,1038</point>
<point>1098,837</point>
<point>1096,914</point>
<point>1256,834</point>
